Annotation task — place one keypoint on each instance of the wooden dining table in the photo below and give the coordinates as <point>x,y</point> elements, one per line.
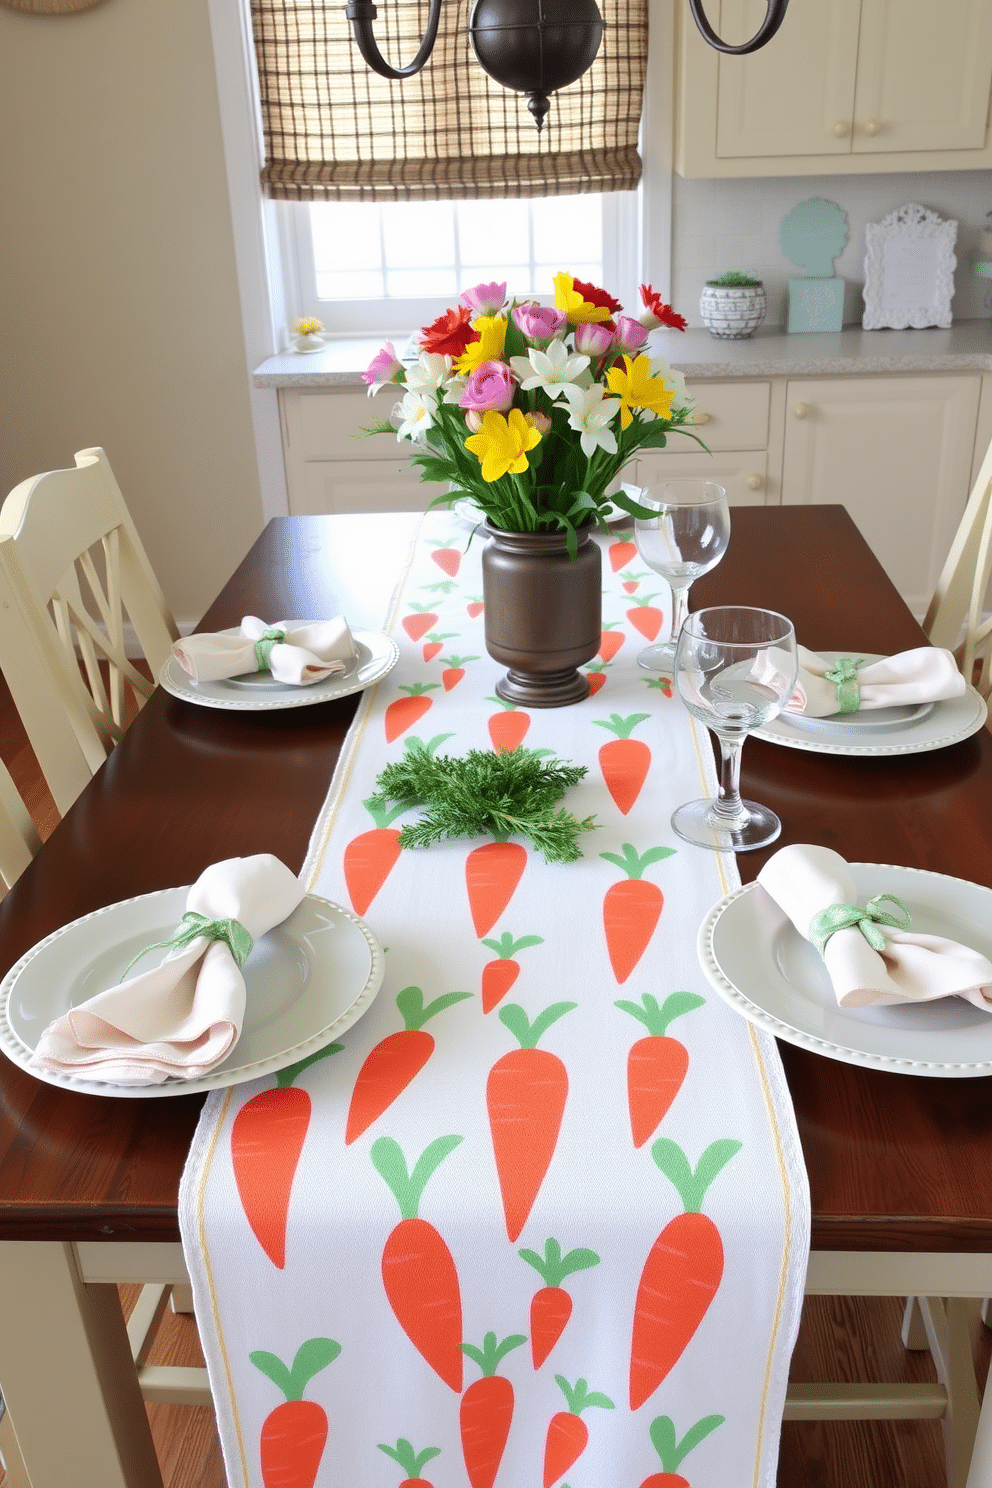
<point>898,1164</point>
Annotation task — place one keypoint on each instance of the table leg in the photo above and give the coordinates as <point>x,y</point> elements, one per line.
<point>67,1374</point>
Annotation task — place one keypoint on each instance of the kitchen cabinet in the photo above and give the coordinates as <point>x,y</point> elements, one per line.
<point>740,425</point>
<point>331,467</point>
<point>849,86</point>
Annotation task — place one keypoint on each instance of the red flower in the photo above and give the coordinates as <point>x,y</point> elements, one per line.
<point>594,296</point>
<point>663,314</point>
<point>450,333</point>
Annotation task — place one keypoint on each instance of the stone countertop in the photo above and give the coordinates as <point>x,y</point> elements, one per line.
<point>965,347</point>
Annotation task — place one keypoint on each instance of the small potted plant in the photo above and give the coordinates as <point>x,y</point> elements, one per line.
<point>733,306</point>
<point>306,334</point>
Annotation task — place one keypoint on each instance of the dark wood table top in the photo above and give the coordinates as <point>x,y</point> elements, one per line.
<point>896,1162</point>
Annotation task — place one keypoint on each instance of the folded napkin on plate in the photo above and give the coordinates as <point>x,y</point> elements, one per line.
<point>180,1019</point>
<point>295,654</point>
<point>927,674</point>
<point>805,880</point>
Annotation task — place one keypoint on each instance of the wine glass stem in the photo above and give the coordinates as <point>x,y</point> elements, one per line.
<point>680,608</point>
<point>728,799</point>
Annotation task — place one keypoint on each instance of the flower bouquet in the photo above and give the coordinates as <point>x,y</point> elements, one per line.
<point>533,410</point>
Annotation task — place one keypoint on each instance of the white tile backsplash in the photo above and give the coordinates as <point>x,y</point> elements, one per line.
<point>734,224</point>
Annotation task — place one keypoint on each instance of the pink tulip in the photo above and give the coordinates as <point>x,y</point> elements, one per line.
<point>593,340</point>
<point>490,389</point>
<point>473,420</point>
<point>540,323</point>
<point>629,336</point>
<point>539,421</point>
<point>485,299</point>
<point>384,367</point>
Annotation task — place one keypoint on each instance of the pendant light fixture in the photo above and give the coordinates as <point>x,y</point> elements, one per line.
<point>534,46</point>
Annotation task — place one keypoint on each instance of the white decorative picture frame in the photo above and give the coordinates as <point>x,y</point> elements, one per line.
<point>909,270</point>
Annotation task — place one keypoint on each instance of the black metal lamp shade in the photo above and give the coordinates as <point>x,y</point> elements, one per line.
<point>536,46</point>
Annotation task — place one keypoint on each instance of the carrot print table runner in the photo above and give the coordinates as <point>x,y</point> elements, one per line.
<point>539,1219</point>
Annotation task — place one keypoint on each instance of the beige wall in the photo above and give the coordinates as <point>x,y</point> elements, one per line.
<point>120,319</point>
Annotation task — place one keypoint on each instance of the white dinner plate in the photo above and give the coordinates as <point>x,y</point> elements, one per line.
<point>759,963</point>
<point>377,655</point>
<point>902,731</point>
<point>307,980</point>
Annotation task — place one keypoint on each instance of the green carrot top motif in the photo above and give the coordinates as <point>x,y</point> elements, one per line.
<point>407,1188</point>
<point>553,1267</point>
<point>524,1031</point>
<point>622,727</point>
<point>311,1358</point>
<point>285,1077</point>
<point>669,1449</point>
<point>506,947</point>
<point>656,1019</point>
<point>382,814</point>
<point>492,1353</point>
<point>634,863</point>
<point>579,1397</point>
<point>415,1013</point>
<point>692,1185</point>
<point>410,1461</point>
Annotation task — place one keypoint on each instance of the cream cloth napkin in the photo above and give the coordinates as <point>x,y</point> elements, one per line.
<point>927,674</point>
<point>307,655</point>
<point>177,1020</point>
<point>804,879</point>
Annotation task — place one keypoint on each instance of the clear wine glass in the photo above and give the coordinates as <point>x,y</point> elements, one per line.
<point>686,538</point>
<point>735,669</point>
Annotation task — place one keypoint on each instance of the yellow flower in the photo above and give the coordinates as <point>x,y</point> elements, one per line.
<point>636,388</point>
<point>502,444</point>
<point>577,309</point>
<point>308,325</point>
<point>488,348</point>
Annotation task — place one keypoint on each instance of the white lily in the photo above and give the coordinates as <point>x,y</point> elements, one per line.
<point>550,369</point>
<point>428,373</point>
<point>414,416</point>
<point>453,389</point>
<point>661,368</point>
<point>591,413</point>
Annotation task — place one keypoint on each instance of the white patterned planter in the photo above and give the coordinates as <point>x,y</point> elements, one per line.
<point>732,312</point>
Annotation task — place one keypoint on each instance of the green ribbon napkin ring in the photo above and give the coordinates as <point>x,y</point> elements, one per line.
<point>844,916</point>
<point>263,646</point>
<point>192,926</point>
<point>845,674</point>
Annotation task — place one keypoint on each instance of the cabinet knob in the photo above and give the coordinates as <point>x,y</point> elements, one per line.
<point>872,126</point>
<point>800,410</point>
<point>699,417</point>
<point>842,127</point>
<point>755,482</point>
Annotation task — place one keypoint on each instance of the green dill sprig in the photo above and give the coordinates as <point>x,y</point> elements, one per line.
<point>512,793</point>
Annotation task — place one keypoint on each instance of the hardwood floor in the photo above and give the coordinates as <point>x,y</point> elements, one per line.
<point>840,1338</point>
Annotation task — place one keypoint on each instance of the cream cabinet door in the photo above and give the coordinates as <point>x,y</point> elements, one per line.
<point>924,76</point>
<point>896,451</point>
<point>743,474</point>
<point>325,486</point>
<point>796,95</point>
<point>331,467</point>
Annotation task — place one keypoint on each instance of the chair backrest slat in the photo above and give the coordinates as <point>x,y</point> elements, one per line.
<point>956,615</point>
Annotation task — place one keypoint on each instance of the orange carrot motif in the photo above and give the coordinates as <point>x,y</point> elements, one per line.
<point>410,1461</point>
<point>631,582</point>
<point>418,1270</point>
<point>499,976</point>
<point>454,670</point>
<point>475,608</point>
<point>596,672</point>
<point>404,712</point>
<point>448,559</point>
<point>631,908</point>
<point>492,873</point>
<point>621,553</point>
<point>656,1065</point>
<point>610,640</point>
<point>434,642</point>
<point>389,1067</point>
<point>682,1271</point>
<point>661,684</point>
<point>370,857</point>
<point>568,1434</point>
<point>671,1451</point>
<point>267,1138</point>
<point>525,1095</point>
<point>418,624</point>
<point>624,762</point>
<point>507,729</point>
<point>551,1306</point>
<point>486,1410</point>
<point>646,617</point>
<point>295,1433</point>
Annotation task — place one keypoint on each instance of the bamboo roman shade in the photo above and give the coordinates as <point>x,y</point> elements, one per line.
<point>335,131</point>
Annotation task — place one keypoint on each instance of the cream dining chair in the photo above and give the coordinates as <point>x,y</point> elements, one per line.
<point>956,616</point>
<point>76,593</point>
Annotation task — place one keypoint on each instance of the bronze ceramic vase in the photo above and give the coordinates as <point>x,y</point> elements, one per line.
<point>543,614</point>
